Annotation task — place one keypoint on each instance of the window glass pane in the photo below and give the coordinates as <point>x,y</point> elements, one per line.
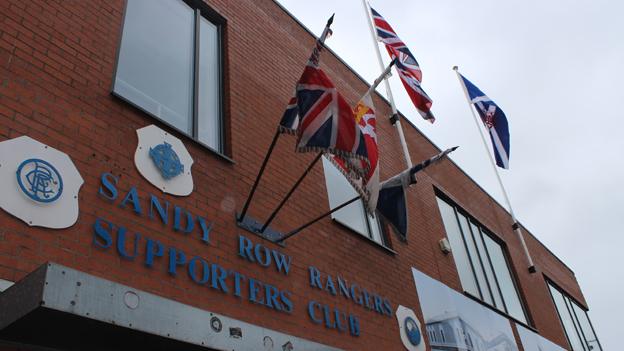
<point>376,234</point>
<point>340,191</point>
<point>501,270</point>
<point>209,129</point>
<point>575,321</point>
<point>474,256</point>
<point>155,67</point>
<point>566,320</point>
<point>588,331</point>
<point>458,249</point>
<point>487,267</point>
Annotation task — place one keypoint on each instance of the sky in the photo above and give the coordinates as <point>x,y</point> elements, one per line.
<point>555,68</point>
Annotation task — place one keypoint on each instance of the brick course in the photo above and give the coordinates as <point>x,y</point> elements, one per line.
<point>57,63</point>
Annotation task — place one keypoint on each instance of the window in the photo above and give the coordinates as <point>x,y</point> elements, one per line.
<point>169,66</point>
<point>481,262</point>
<point>353,216</point>
<point>575,321</point>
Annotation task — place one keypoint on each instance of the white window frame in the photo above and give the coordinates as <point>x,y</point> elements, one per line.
<point>354,216</point>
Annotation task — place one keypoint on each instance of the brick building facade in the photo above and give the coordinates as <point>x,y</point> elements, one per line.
<point>58,62</point>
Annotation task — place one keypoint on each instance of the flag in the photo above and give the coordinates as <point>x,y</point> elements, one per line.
<point>407,66</point>
<point>392,200</point>
<point>327,123</point>
<point>290,119</point>
<point>367,186</point>
<point>494,120</point>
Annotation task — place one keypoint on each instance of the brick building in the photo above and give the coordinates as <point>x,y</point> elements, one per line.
<point>144,267</point>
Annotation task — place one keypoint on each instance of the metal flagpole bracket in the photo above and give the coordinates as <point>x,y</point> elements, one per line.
<point>253,226</point>
<point>394,118</point>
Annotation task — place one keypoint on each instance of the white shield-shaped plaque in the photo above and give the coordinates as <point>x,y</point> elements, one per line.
<point>38,183</point>
<point>163,160</point>
<point>409,327</point>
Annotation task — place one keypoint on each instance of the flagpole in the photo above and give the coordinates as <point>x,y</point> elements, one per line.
<point>302,227</point>
<point>290,192</point>
<point>515,225</point>
<point>395,116</point>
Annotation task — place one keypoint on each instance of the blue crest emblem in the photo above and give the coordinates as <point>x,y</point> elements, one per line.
<point>411,330</point>
<point>39,180</point>
<point>166,160</point>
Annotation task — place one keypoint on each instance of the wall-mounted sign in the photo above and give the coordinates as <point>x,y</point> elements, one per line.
<point>163,160</point>
<point>455,322</point>
<point>38,183</point>
<point>409,328</point>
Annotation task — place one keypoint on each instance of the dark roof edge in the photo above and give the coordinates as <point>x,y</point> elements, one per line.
<point>418,130</point>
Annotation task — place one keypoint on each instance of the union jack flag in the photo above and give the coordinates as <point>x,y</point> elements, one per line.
<point>407,66</point>
<point>327,123</point>
<point>290,119</point>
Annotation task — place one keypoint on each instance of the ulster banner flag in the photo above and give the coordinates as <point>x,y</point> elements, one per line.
<point>368,185</point>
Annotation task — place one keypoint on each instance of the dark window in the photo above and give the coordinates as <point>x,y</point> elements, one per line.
<point>575,321</point>
<point>481,262</point>
<point>169,66</point>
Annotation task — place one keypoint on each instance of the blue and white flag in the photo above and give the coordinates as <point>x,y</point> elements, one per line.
<point>392,204</point>
<point>494,120</point>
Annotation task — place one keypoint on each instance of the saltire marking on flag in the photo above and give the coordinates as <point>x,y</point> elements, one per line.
<point>495,121</point>
<point>392,199</point>
<point>407,66</point>
<point>367,186</point>
<point>290,119</point>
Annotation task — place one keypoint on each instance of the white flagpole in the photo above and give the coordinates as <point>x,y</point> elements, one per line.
<point>515,225</point>
<point>369,19</point>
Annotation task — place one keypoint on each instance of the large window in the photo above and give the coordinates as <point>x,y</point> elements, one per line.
<point>169,66</point>
<point>353,216</point>
<point>481,262</point>
<point>575,321</point>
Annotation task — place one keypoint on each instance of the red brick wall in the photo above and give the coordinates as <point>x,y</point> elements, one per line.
<point>56,68</point>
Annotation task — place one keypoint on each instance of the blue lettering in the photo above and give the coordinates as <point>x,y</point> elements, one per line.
<point>192,270</point>
<point>153,249</point>
<point>315,277</point>
<point>109,181</point>
<point>354,325</point>
<point>102,237</point>
<point>121,244</point>
<point>338,316</point>
<point>271,293</point>
<point>357,297</point>
<point>311,307</point>
<point>326,315</point>
<point>377,301</point>
<point>177,220</point>
<point>218,278</point>
<point>205,229</point>
<point>285,298</point>
<point>254,289</point>
<point>267,255</point>
<point>244,248</point>
<point>367,299</point>
<point>281,261</point>
<point>237,282</point>
<point>387,308</point>
<point>329,285</point>
<point>162,212</point>
<point>132,196</point>
<point>176,258</point>
<point>344,290</point>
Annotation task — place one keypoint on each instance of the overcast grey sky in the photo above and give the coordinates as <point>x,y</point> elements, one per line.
<point>555,68</point>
